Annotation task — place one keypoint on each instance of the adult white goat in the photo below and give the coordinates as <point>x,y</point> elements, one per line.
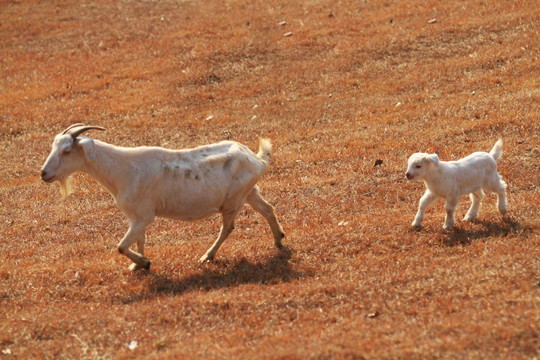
<point>180,184</point>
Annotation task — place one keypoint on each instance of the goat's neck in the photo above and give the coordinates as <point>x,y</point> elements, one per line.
<point>107,167</point>
<point>435,179</point>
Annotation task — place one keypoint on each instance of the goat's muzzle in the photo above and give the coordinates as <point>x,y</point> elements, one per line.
<point>409,176</point>
<point>45,176</point>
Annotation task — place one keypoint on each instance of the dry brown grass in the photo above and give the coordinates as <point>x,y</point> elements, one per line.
<point>356,81</point>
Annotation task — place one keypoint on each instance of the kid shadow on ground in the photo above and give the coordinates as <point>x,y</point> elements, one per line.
<point>221,274</point>
<point>467,233</point>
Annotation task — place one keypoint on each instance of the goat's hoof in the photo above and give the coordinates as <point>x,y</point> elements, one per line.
<point>205,258</point>
<point>416,223</point>
<point>135,267</point>
<point>277,240</point>
<point>469,218</point>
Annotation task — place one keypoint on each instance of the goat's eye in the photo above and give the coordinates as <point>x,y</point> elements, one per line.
<point>417,166</point>
<point>66,151</point>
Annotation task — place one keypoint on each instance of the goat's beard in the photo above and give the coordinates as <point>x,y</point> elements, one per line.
<point>65,186</point>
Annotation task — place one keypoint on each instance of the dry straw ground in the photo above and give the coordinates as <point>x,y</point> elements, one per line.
<point>336,86</point>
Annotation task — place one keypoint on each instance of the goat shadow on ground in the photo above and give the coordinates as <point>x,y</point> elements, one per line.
<point>220,274</point>
<point>466,234</point>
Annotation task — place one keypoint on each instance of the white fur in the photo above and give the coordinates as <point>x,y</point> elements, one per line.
<point>451,179</point>
<point>181,184</point>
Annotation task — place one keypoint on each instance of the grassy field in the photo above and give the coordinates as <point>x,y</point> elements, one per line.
<point>336,86</point>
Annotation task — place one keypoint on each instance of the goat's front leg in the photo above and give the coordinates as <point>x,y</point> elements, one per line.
<point>135,234</point>
<point>426,200</point>
<point>226,228</point>
<point>450,207</point>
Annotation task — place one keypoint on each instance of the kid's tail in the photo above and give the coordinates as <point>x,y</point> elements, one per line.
<point>496,152</point>
<point>264,150</point>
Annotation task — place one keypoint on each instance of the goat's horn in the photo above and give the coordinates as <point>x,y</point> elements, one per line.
<point>71,127</point>
<point>75,131</point>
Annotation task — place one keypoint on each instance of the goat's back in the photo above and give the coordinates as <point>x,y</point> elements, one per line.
<point>192,183</point>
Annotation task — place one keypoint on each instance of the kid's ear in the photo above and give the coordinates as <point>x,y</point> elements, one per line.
<point>87,145</point>
<point>434,158</point>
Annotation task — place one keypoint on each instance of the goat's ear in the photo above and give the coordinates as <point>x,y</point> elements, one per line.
<point>434,158</point>
<point>87,145</point>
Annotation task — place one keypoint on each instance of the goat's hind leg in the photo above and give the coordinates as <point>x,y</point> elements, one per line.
<point>476,199</point>
<point>256,201</point>
<point>501,198</point>
<point>498,186</point>
<point>226,228</point>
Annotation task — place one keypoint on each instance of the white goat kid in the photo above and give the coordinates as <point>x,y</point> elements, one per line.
<point>180,184</point>
<point>450,180</point>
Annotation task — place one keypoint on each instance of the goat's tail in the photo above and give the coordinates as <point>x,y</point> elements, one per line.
<point>496,152</point>
<point>264,150</point>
